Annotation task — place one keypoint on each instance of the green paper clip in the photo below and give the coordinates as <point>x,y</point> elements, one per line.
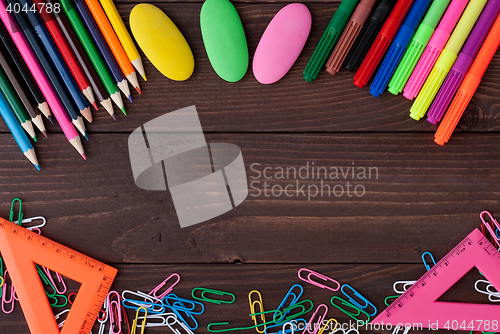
<point>349,313</point>
<point>56,298</point>
<point>390,297</point>
<point>214,292</point>
<point>20,215</point>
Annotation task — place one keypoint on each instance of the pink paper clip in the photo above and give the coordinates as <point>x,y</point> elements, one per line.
<point>162,284</point>
<point>59,278</point>
<point>488,226</point>
<point>115,317</point>
<point>4,294</point>
<point>312,326</point>
<point>320,276</point>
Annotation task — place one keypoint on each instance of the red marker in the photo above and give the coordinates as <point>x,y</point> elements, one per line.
<point>382,42</point>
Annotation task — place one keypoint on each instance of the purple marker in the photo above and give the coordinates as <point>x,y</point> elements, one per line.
<point>463,62</point>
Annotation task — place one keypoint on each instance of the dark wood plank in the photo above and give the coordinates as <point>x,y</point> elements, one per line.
<point>329,104</point>
<point>273,281</point>
<point>424,194</point>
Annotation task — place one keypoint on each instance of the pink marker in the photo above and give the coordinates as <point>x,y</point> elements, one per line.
<point>434,48</point>
<point>40,78</point>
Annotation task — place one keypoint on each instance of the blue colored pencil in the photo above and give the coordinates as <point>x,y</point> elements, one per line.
<point>17,131</point>
<point>103,48</point>
<point>48,68</point>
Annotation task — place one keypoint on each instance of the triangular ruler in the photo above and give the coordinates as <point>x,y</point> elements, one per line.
<point>419,305</point>
<point>21,249</point>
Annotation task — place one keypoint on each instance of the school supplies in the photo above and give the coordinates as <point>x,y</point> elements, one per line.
<point>22,248</point>
<point>419,303</point>
<point>329,39</point>
<point>355,298</point>
<point>446,59</point>
<point>260,303</point>
<point>381,43</point>
<point>352,310</point>
<point>163,43</point>
<point>224,39</point>
<point>312,326</point>
<point>162,284</point>
<point>429,255</point>
<point>351,32</point>
<point>203,298</point>
<point>367,35</point>
<point>417,46</point>
<point>135,322</point>
<point>281,43</point>
<point>320,276</point>
<point>123,35</point>
<point>463,62</point>
<point>398,46</point>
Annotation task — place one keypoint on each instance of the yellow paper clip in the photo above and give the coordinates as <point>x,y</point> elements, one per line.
<point>261,309</point>
<point>134,323</point>
<point>328,326</point>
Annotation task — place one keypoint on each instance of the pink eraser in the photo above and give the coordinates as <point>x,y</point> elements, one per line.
<point>281,43</point>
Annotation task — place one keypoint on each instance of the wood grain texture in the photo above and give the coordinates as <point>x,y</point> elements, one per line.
<point>329,104</point>
<point>423,193</point>
<point>273,281</point>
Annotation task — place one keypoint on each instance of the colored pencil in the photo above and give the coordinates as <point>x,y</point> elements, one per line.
<point>18,133</point>
<point>113,43</point>
<point>97,86</point>
<point>91,49</point>
<point>103,48</point>
<point>21,91</point>
<point>66,52</point>
<point>33,19</point>
<point>123,35</point>
<point>47,66</point>
<point>16,105</point>
<point>40,78</point>
<point>27,77</point>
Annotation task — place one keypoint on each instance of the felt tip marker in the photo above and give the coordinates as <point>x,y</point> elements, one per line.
<point>398,46</point>
<point>446,59</point>
<point>384,38</point>
<point>464,61</point>
<point>434,48</point>
<point>329,39</point>
<point>417,46</point>
<point>349,35</point>
<point>469,85</point>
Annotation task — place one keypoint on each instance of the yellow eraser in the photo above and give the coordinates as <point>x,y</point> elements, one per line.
<point>162,42</point>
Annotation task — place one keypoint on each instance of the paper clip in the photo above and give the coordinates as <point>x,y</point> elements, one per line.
<point>59,278</point>
<point>261,309</point>
<point>493,295</point>
<point>426,264</point>
<point>157,320</point>
<point>1,277</point>
<point>320,276</point>
<point>488,226</point>
<point>57,316</point>
<point>30,220</point>
<point>328,326</point>
<point>360,297</point>
<point>69,298</point>
<point>134,323</point>
<point>180,323</point>
<point>293,324</point>
<point>180,304</point>
<point>349,313</point>
<point>295,298</point>
<point>314,325</point>
<point>6,301</point>
<point>115,317</point>
<point>287,310</point>
<point>398,328</point>
<point>340,329</point>
<point>56,299</point>
<point>20,213</point>
<point>151,302</point>
<point>386,300</point>
<point>213,292</point>
<point>405,284</point>
<point>162,284</point>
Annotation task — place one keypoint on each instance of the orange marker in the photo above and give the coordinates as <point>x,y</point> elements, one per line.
<point>21,249</point>
<point>113,42</point>
<point>469,85</point>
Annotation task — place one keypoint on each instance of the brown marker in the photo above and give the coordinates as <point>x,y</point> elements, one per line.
<point>349,35</point>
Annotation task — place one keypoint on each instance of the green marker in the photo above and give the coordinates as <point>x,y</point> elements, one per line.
<point>16,105</point>
<point>417,46</point>
<point>93,53</point>
<point>329,39</point>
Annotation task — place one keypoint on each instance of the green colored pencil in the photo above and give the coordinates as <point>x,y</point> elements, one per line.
<point>16,104</point>
<point>92,52</point>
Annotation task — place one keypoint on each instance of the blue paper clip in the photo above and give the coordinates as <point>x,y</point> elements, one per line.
<point>425,262</point>
<point>147,301</point>
<point>361,298</point>
<point>295,298</point>
<point>180,304</point>
<point>349,313</point>
<point>294,325</point>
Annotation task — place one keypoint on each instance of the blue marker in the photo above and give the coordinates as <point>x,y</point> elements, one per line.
<point>398,46</point>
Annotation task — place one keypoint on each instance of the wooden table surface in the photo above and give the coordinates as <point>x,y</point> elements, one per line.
<point>424,198</point>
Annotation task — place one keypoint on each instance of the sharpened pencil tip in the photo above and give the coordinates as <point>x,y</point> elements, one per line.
<point>130,98</point>
<point>44,133</point>
<point>138,90</point>
<point>34,139</point>
<point>83,156</point>
<point>37,167</point>
<point>95,105</point>
<point>114,118</point>
<point>144,77</point>
<point>123,111</point>
<point>50,119</point>
<point>85,134</point>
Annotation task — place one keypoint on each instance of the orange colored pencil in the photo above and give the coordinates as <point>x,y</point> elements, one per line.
<point>113,42</point>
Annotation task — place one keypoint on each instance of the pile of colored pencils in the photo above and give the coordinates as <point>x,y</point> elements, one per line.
<point>60,57</point>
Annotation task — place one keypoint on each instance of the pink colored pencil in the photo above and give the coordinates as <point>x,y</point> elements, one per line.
<point>40,78</point>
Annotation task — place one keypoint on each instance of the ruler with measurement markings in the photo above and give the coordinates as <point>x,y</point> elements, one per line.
<point>22,249</point>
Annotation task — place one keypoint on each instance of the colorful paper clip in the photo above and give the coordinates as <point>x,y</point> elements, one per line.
<point>349,313</point>
<point>397,329</point>
<point>405,286</point>
<point>12,298</point>
<point>162,284</point>
<point>135,322</point>
<point>489,227</point>
<point>261,309</point>
<point>283,314</point>
<point>360,297</point>
<point>328,326</point>
<point>312,326</point>
<point>426,264</point>
<point>20,212</point>
<point>53,283</point>
<point>213,292</point>
<point>175,320</point>
<point>294,324</point>
<point>179,306</point>
<point>104,319</point>
<point>30,220</point>
<point>158,320</point>
<point>295,298</point>
<point>59,315</point>
<point>493,294</point>
<point>151,302</point>
<point>320,276</point>
<point>386,300</point>
<point>340,329</point>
